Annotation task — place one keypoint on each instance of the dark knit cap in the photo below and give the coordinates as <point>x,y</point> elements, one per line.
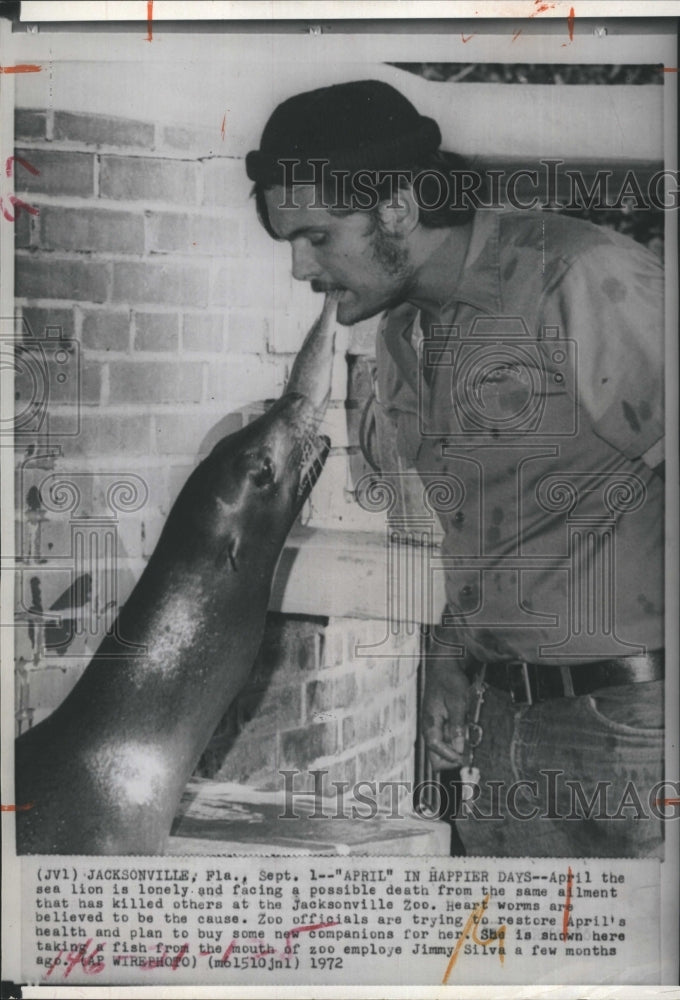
<point>363,125</point>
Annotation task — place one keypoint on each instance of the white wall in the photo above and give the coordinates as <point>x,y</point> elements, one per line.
<point>490,119</point>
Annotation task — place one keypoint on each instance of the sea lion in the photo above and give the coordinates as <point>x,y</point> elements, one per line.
<point>105,772</point>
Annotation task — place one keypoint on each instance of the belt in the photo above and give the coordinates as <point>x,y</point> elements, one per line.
<point>531,682</point>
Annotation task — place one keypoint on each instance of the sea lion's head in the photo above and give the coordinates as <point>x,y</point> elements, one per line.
<point>279,456</point>
<point>246,495</point>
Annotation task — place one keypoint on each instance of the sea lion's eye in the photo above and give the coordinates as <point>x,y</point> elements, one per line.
<point>265,474</point>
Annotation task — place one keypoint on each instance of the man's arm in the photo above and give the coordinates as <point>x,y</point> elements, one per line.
<point>611,301</point>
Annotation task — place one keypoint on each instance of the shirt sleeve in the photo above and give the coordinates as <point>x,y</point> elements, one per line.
<point>610,304</point>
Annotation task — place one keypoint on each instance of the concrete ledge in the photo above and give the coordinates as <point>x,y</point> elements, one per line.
<point>357,575</point>
<point>226,818</point>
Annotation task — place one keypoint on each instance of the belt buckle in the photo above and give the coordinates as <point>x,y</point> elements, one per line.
<point>519,680</point>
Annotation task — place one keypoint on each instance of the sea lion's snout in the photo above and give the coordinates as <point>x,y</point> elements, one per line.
<point>299,453</point>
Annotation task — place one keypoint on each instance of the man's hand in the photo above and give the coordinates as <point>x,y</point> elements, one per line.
<point>443,713</point>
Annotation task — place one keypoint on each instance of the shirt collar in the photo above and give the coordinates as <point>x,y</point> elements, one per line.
<point>479,286</point>
<point>479,281</point>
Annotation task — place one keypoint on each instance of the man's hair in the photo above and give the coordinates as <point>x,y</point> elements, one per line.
<point>440,181</point>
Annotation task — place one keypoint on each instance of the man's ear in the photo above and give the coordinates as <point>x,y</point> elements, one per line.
<point>399,214</point>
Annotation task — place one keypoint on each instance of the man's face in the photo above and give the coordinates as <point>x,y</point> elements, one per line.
<point>349,252</point>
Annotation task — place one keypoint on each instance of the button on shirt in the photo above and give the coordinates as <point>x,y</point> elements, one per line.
<point>538,393</point>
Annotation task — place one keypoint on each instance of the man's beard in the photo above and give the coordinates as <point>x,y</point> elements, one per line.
<point>390,252</point>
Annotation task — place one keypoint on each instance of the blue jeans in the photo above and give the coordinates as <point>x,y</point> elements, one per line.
<point>614,736</point>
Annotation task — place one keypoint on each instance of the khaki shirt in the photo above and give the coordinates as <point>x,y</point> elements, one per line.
<point>537,397</point>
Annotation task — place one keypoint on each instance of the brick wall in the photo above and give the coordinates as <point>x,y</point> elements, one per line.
<point>180,317</point>
<point>147,251</point>
<point>315,701</point>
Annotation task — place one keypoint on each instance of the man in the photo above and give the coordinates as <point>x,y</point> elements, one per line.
<point>520,361</point>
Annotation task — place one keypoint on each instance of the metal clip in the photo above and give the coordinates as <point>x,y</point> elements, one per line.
<point>473,730</point>
<point>473,735</point>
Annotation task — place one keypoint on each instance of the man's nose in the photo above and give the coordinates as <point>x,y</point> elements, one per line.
<point>304,265</point>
